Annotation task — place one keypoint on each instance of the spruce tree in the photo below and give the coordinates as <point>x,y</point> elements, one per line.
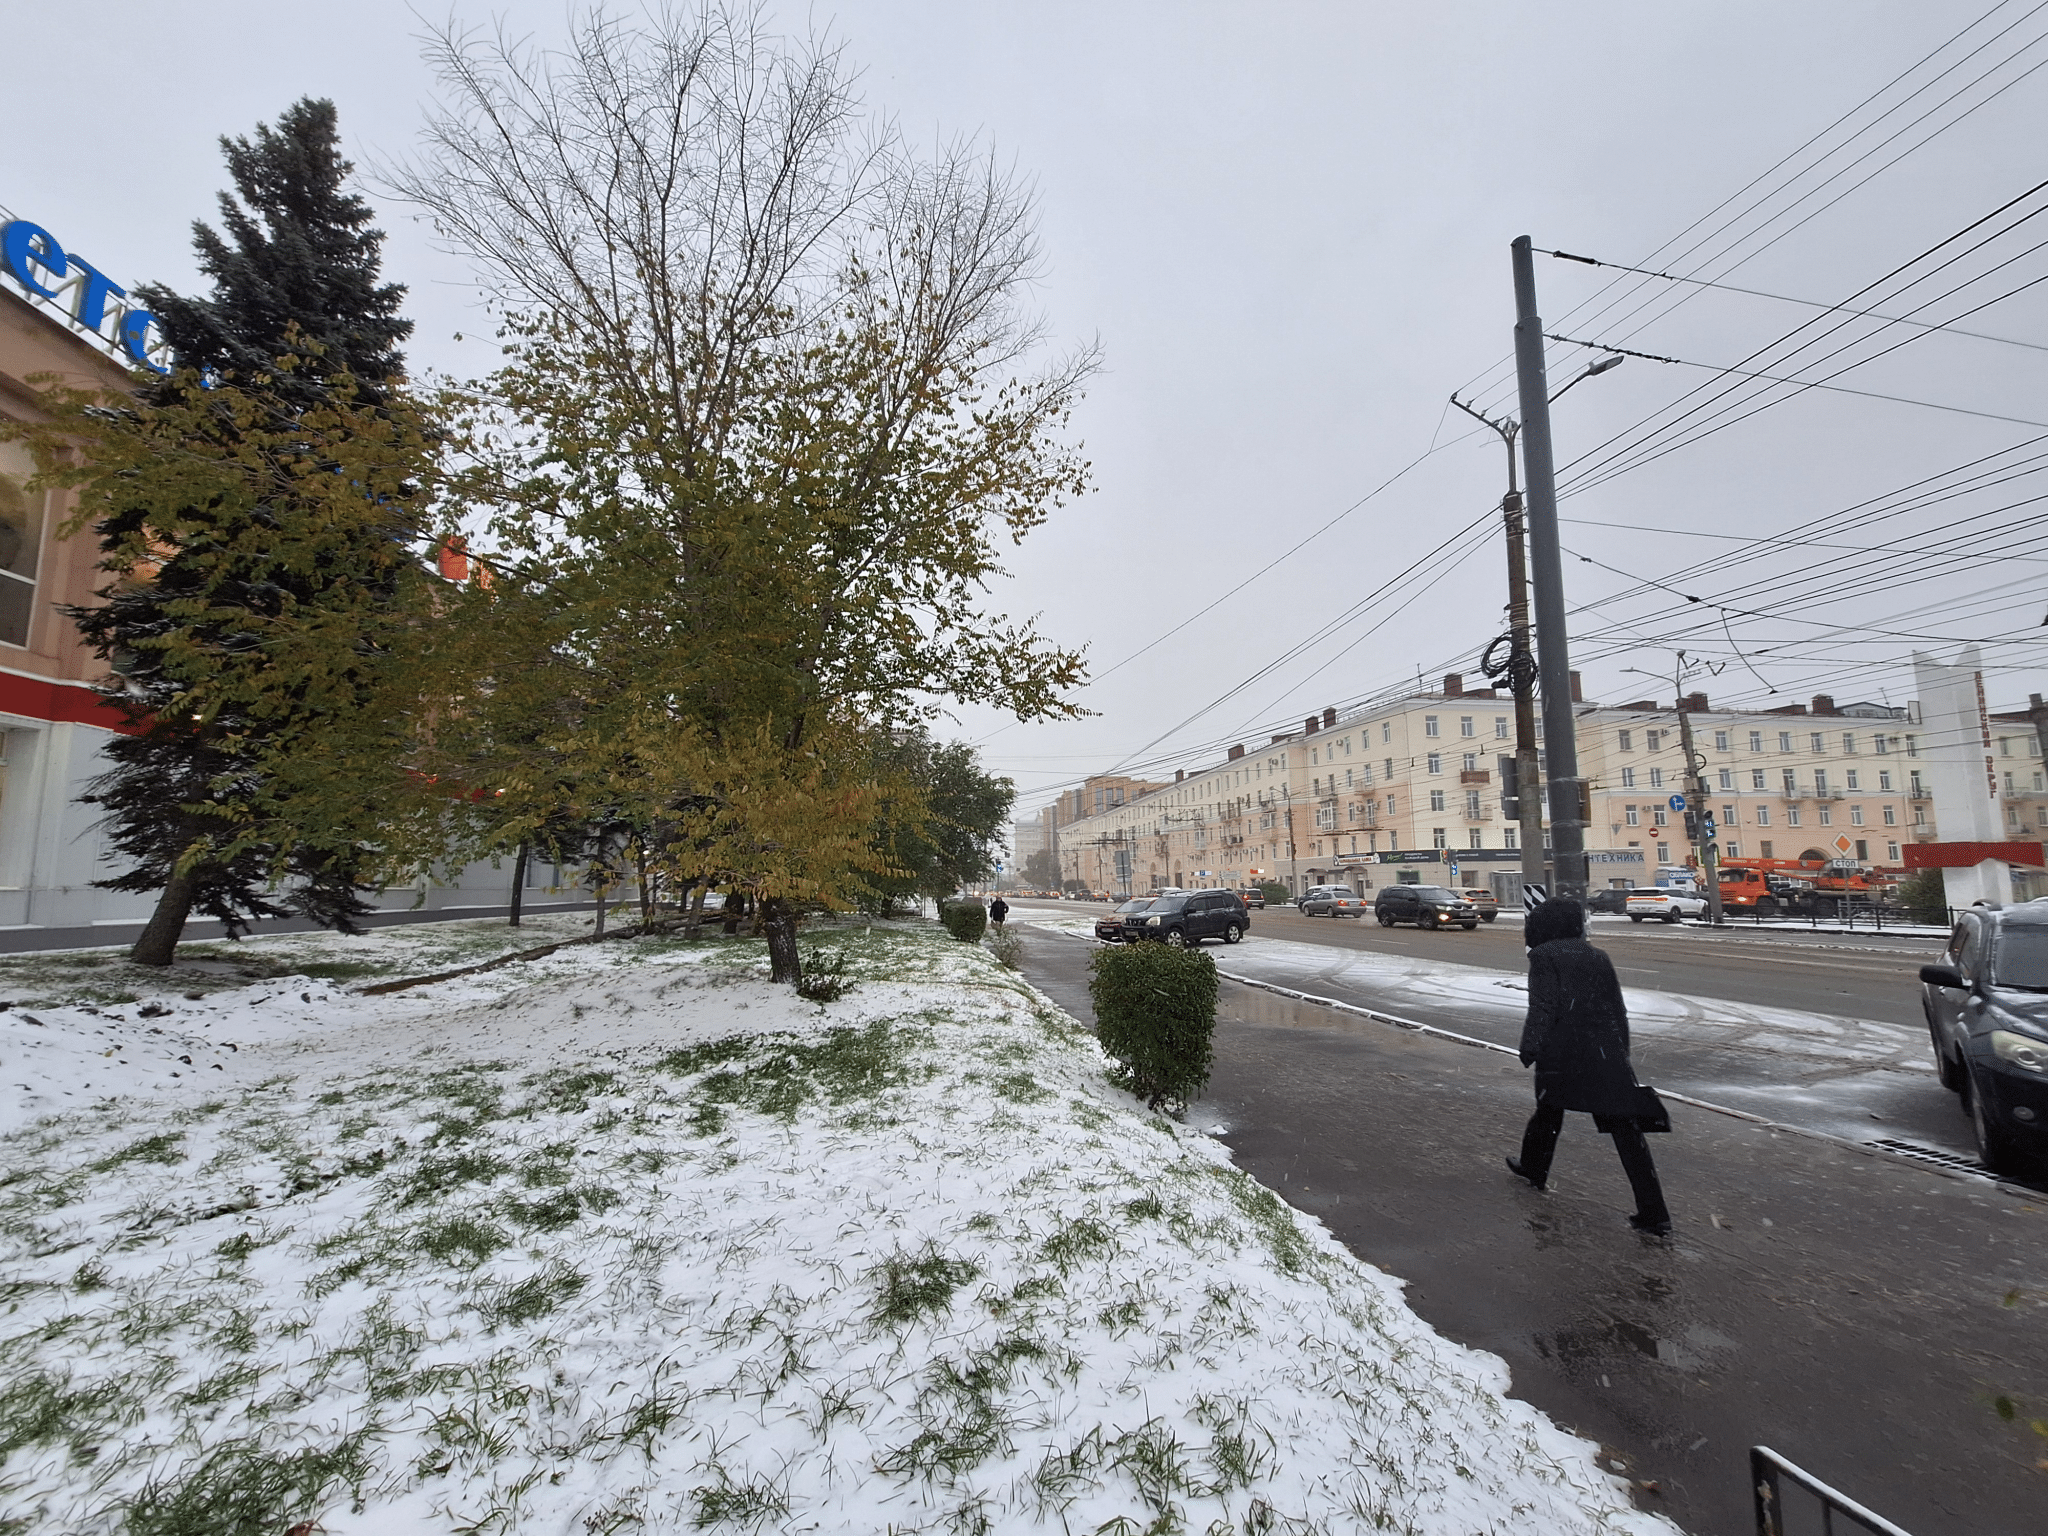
<point>296,276</point>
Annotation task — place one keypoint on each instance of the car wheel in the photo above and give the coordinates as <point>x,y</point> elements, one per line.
<point>1178,938</point>
<point>1386,919</point>
<point>1469,927</point>
<point>1232,934</point>
<point>1952,1072</point>
<point>1995,1149</point>
<point>1766,906</point>
<point>1672,917</point>
<point>1487,917</point>
<point>1633,918</point>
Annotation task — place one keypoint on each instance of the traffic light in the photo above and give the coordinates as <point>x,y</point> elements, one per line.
<point>1708,831</point>
<point>1692,827</point>
<point>1510,788</point>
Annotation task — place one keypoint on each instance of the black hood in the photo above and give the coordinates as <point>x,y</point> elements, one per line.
<point>1558,918</point>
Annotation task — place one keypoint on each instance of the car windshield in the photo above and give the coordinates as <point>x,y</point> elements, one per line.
<point>2022,958</point>
<point>1433,893</point>
<point>1169,903</point>
<point>1136,906</point>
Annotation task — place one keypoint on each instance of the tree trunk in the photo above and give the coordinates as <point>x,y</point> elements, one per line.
<point>697,894</point>
<point>730,912</point>
<point>158,944</point>
<point>646,893</point>
<point>518,884</point>
<point>785,965</point>
<point>601,889</point>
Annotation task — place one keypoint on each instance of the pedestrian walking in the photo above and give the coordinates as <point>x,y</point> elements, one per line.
<point>1576,1037</point>
<point>998,910</point>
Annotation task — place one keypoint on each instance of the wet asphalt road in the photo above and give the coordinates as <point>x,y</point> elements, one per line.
<point>1860,1314</point>
<point>1862,1071</point>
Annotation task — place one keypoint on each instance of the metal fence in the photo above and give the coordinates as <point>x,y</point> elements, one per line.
<point>1769,1473</point>
<point>1854,916</point>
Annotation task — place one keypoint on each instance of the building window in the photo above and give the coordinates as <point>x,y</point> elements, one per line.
<point>1436,799</point>
<point>1659,817</point>
<point>1756,778</point>
<point>1912,745</point>
<point>1827,815</point>
<point>1820,743</point>
<point>1393,842</point>
<point>1791,815</point>
<point>1390,805</point>
<point>1472,807</point>
<point>1791,782</point>
<point>1436,762</point>
<point>1728,815</point>
<point>1478,838</point>
<point>1727,778</point>
<point>1386,732</point>
<point>1784,741</point>
<point>1884,780</point>
<point>1820,781</point>
<point>2005,746</point>
<point>1630,815</point>
<point>1500,727</point>
<point>1862,850</point>
<point>1913,784</point>
<point>1628,778</point>
<point>1471,762</point>
<point>1656,778</point>
<point>1891,853</point>
<point>1848,744</point>
<point>1439,838</point>
<point>1756,741</point>
<point>1919,816</point>
<point>1663,853</point>
<point>1852,779</point>
<point>1626,739</point>
<point>1653,741</point>
<point>1509,837</point>
<point>1429,725</point>
<point>1465,727</point>
<point>1891,816</point>
<point>21,540</point>
<point>2008,781</point>
<point>1390,768</point>
<point>1763,849</point>
<point>1880,743</point>
<point>1720,741</point>
<point>1855,815</point>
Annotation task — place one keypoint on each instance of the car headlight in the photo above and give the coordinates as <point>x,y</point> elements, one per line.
<point>1152,922</point>
<point>2023,1051</point>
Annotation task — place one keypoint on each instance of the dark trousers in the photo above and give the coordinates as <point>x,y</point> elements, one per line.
<point>1539,1145</point>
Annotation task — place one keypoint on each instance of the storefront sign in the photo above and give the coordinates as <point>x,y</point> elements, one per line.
<point>1413,856</point>
<point>82,295</point>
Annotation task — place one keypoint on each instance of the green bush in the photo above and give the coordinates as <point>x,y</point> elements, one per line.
<point>1925,898</point>
<point>1155,1014</point>
<point>965,920</point>
<point>1276,893</point>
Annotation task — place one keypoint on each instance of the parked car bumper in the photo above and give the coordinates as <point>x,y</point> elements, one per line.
<point>2016,1098</point>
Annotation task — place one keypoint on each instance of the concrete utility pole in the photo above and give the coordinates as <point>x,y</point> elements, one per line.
<point>1696,784</point>
<point>1521,669</point>
<point>1561,752</point>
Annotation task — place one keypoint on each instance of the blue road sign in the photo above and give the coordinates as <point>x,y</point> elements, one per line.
<point>1678,802</point>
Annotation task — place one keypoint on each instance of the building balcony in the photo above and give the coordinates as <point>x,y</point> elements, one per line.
<point>1479,813</point>
<point>1475,776</point>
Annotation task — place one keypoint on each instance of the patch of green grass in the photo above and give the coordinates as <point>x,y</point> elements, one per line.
<point>1145,1208</point>
<point>961,1423</point>
<point>1021,1088</point>
<point>914,1286</point>
<point>46,1410</point>
<point>725,1502</point>
<point>242,1488</point>
<point>460,1239</point>
<point>1270,1218</point>
<point>689,1060</point>
<point>436,1176</point>
<point>342,970</point>
<point>161,1148</point>
<point>534,1297</point>
<point>1074,1241</point>
<point>571,1094</point>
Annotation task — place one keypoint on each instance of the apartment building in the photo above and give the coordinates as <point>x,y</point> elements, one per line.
<point>1806,781</point>
<point>1408,790</point>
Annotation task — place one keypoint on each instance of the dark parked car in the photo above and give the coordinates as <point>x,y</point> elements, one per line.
<point>1110,926</point>
<point>1332,901</point>
<point>1613,900</point>
<point>1426,906</point>
<point>1252,896</point>
<point>1188,917</point>
<point>1987,1017</point>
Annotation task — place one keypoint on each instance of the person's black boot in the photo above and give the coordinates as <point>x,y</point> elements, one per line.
<point>1515,1167</point>
<point>1651,1228</point>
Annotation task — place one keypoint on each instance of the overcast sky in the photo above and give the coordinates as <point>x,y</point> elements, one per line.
<point>1288,227</point>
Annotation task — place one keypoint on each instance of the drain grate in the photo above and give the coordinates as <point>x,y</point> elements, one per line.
<point>1934,1155</point>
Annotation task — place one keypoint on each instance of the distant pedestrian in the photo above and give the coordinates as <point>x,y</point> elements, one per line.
<point>1576,1037</point>
<point>998,910</point>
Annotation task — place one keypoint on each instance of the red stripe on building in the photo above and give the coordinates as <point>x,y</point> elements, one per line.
<point>68,703</point>
<point>1969,855</point>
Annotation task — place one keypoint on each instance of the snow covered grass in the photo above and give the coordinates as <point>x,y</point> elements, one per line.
<point>626,1239</point>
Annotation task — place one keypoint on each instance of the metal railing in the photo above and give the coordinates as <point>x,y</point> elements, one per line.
<point>1768,1472</point>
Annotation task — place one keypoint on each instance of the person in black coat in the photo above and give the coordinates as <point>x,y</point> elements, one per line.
<point>998,910</point>
<point>1576,1037</point>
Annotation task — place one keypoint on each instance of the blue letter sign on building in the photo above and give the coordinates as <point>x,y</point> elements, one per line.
<point>81,292</point>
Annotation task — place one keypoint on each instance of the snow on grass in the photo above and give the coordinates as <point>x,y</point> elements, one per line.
<point>630,1240</point>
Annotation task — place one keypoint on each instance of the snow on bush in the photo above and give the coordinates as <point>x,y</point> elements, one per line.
<point>631,1241</point>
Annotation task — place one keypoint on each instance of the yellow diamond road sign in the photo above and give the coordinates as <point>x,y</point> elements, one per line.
<point>1843,844</point>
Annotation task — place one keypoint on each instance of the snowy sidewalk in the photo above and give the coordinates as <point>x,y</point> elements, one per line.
<point>628,1239</point>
